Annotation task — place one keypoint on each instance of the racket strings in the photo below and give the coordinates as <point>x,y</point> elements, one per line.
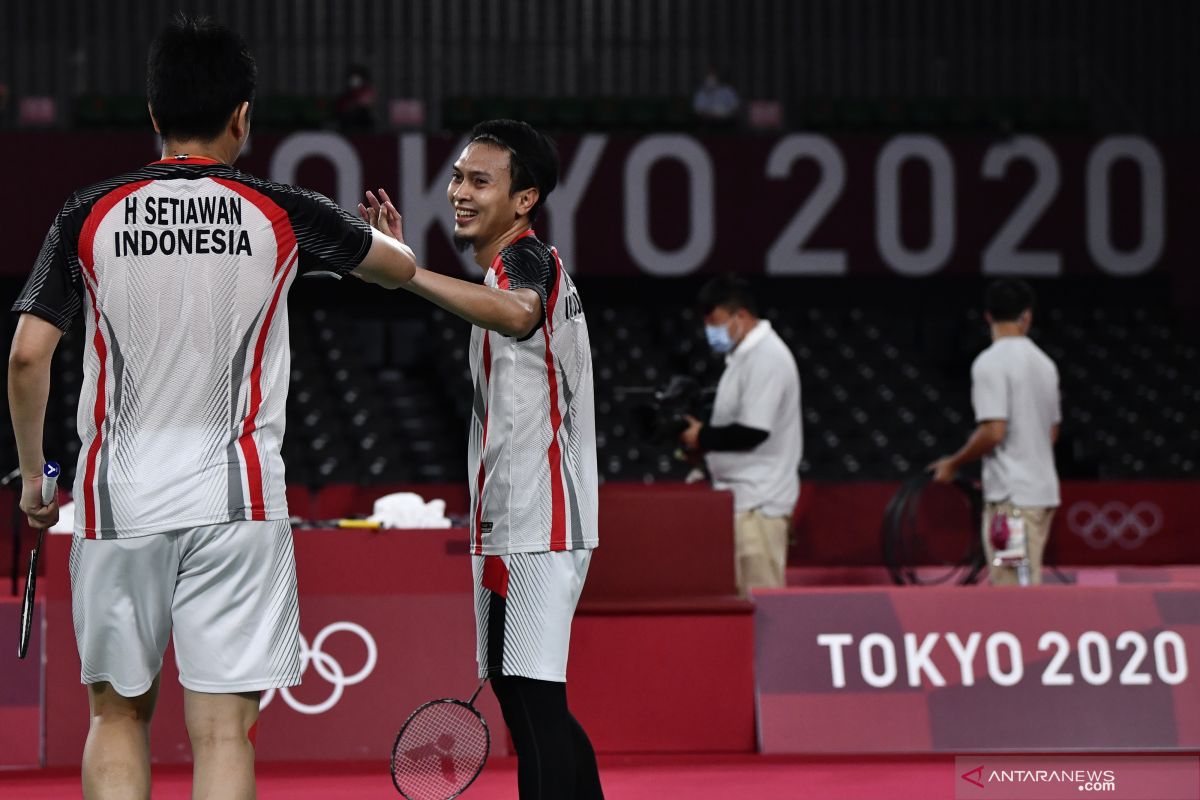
<point>439,752</point>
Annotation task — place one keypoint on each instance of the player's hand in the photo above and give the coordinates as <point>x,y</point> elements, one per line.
<point>39,516</point>
<point>690,437</point>
<point>371,215</point>
<point>381,214</point>
<point>942,470</point>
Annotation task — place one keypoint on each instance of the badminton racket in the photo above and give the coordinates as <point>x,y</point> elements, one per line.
<point>50,473</point>
<point>440,750</point>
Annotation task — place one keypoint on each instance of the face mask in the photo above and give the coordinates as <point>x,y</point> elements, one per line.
<point>718,338</point>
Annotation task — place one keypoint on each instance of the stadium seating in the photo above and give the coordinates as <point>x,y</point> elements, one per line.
<point>382,396</point>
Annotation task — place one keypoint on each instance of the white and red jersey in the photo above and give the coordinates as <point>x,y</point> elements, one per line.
<point>181,269</point>
<point>532,452</point>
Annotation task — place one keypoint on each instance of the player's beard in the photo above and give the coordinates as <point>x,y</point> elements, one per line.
<point>463,243</point>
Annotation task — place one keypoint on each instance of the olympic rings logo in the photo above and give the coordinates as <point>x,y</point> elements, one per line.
<point>328,668</point>
<point>1115,523</point>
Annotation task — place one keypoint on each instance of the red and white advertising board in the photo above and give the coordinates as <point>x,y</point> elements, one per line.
<point>978,669</point>
<point>800,204</point>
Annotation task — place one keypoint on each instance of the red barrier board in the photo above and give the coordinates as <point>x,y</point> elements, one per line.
<point>1099,523</point>
<point>665,680</point>
<point>978,669</point>
<point>20,686</point>
<point>389,617</point>
<point>388,623</point>
<point>663,541</point>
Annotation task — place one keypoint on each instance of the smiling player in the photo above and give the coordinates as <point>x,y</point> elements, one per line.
<point>532,449</point>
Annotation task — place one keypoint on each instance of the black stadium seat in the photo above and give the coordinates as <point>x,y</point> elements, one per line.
<point>379,396</point>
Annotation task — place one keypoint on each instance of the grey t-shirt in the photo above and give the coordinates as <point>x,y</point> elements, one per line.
<point>1013,380</point>
<point>760,388</point>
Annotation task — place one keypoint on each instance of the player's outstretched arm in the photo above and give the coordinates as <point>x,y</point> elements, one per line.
<point>510,313</point>
<point>389,263</point>
<point>28,390</point>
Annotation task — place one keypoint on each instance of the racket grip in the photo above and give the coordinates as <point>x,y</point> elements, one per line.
<point>363,524</point>
<point>50,473</point>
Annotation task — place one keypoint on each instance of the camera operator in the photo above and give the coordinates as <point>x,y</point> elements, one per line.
<point>753,442</point>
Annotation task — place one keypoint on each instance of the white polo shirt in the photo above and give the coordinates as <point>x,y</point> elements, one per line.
<point>1015,381</point>
<point>760,388</point>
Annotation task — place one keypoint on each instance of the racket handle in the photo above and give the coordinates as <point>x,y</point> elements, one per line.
<point>362,524</point>
<point>50,473</point>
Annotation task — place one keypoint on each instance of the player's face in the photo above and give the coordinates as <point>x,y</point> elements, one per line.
<point>479,193</point>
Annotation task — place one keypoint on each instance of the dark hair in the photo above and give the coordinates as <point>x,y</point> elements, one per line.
<point>533,159</point>
<point>726,291</point>
<point>197,74</point>
<point>1007,298</point>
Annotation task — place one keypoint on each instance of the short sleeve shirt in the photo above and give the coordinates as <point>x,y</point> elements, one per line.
<point>532,445</point>
<point>760,388</point>
<point>1014,381</point>
<point>181,270</point>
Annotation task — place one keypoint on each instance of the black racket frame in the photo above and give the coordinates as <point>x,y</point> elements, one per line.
<point>470,706</point>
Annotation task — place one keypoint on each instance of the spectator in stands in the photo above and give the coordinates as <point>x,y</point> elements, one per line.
<point>355,106</point>
<point>715,102</point>
<point>1014,389</point>
<point>181,523</point>
<point>753,442</point>
<point>532,444</point>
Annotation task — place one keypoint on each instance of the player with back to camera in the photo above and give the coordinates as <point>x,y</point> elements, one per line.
<point>181,268</point>
<point>532,446</point>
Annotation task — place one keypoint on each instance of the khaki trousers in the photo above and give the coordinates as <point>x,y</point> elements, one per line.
<point>761,545</point>
<point>1037,529</point>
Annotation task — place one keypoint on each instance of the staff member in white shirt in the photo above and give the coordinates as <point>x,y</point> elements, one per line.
<point>1014,389</point>
<point>753,442</point>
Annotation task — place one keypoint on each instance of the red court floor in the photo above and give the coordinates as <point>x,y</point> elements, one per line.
<point>658,778</point>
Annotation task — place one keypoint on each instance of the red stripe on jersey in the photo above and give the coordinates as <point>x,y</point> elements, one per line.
<point>501,275</point>
<point>558,504</point>
<point>285,237</point>
<point>87,257</point>
<point>498,263</point>
<point>188,160</point>
<point>487,377</point>
<point>285,243</point>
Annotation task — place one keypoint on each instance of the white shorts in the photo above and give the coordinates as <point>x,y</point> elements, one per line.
<point>524,603</point>
<point>228,591</point>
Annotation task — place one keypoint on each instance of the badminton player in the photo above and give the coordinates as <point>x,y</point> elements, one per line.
<point>532,447</point>
<point>180,269</point>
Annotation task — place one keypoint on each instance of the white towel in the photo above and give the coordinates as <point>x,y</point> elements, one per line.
<point>409,510</point>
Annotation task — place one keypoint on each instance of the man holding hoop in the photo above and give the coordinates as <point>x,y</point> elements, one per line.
<point>1014,389</point>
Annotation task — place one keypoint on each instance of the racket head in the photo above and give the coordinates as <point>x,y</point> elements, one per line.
<point>27,603</point>
<point>440,750</point>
